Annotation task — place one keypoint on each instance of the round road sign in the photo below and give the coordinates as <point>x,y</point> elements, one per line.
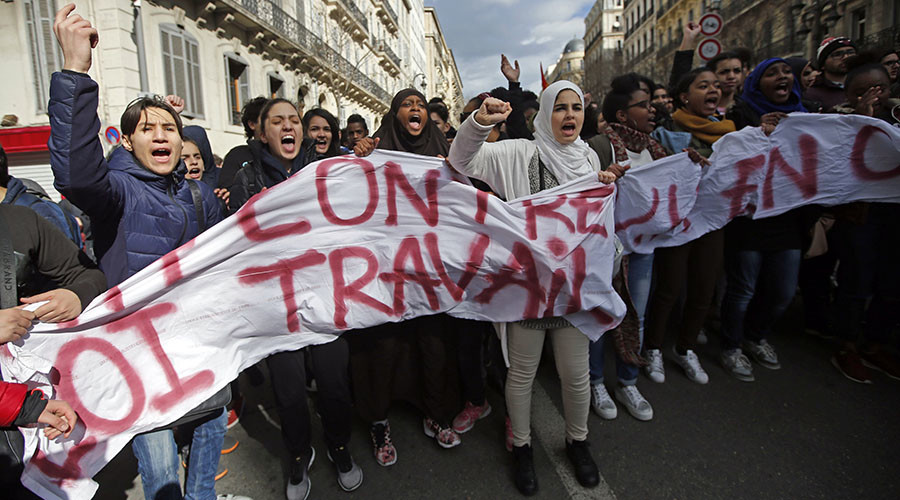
<point>709,48</point>
<point>711,24</point>
<point>112,135</point>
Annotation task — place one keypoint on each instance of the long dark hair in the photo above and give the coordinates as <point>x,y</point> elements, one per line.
<point>334,147</point>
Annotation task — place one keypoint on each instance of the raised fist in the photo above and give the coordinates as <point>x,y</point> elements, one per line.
<point>76,38</point>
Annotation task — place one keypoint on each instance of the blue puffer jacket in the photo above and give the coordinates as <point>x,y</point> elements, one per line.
<point>138,216</point>
<point>16,194</point>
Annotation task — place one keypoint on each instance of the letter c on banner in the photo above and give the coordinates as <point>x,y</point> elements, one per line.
<point>858,157</point>
<point>65,362</point>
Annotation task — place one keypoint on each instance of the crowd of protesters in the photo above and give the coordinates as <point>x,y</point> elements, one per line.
<point>165,185</point>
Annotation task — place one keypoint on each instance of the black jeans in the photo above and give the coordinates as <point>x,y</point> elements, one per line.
<point>330,367</point>
<point>696,264</point>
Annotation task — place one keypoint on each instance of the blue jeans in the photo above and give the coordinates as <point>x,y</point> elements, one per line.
<point>640,272</point>
<point>157,456</point>
<point>761,285</point>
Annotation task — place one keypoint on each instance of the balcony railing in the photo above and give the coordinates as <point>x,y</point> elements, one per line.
<point>356,13</point>
<point>293,30</point>
<point>664,7</point>
<point>392,56</point>
<point>386,11</point>
<point>889,37</point>
<point>734,7</point>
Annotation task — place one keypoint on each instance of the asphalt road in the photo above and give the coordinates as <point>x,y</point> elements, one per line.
<point>802,432</point>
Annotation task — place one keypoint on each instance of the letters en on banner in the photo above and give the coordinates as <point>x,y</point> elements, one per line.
<point>808,159</point>
<point>349,243</point>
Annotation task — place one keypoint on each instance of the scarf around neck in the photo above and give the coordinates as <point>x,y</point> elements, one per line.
<point>394,136</point>
<point>633,140</point>
<point>705,129</point>
<point>565,161</point>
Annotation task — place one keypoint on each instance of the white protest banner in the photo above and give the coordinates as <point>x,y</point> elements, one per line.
<point>346,243</point>
<point>808,159</point>
<point>653,198</point>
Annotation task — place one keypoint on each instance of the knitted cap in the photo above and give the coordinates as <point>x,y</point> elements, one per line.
<point>829,45</point>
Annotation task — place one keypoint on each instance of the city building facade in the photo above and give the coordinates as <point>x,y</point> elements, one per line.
<point>604,36</point>
<point>346,56</point>
<point>640,37</point>
<point>570,65</point>
<point>442,75</point>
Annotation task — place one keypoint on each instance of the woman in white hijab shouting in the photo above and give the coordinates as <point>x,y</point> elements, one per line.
<point>513,169</point>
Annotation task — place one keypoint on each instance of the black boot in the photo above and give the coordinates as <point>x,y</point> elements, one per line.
<point>526,480</point>
<point>579,453</point>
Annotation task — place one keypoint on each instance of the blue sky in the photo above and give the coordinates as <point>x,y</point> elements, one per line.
<point>532,31</point>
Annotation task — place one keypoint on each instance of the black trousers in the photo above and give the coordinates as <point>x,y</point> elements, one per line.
<point>330,367</point>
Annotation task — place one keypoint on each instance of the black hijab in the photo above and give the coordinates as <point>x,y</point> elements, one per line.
<point>394,137</point>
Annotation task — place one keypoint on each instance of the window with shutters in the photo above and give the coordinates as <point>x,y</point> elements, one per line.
<point>45,55</point>
<point>237,84</point>
<point>181,67</point>
<point>276,86</point>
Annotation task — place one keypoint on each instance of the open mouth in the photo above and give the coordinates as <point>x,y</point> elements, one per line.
<point>288,143</point>
<point>568,129</point>
<point>321,144</point>
<point>195,173</point>
<point>415,122</point>
<point>711,100</point>
<point>161,155</point>
<point>782,89</point>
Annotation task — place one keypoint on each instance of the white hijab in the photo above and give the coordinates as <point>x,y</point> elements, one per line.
<point>566,162</point>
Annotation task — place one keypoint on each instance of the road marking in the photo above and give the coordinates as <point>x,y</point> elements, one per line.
<point>548,427</point>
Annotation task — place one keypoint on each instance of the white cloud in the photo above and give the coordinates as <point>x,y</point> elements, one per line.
<point>531,31</point>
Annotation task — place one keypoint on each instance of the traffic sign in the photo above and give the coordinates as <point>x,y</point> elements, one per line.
<point>112,135</point>
<point>709,48</point>
<point>711,24</point>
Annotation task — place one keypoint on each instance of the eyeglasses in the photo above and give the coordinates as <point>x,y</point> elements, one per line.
<point>840,54</point>
<point>642,104</point>
<point>895,62</point>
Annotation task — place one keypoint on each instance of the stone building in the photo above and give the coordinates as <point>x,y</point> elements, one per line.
<point>347,56</point>
<point>671,16</point>
<point>603,39</point>
<point>442,75</point>
<point>570,65</point>
<point>640,38</point>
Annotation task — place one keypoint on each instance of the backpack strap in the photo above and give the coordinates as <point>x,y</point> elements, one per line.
<point>197,198</point>
<point>8,287</point>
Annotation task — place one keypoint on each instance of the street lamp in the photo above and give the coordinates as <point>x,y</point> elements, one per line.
<point>424,83</point>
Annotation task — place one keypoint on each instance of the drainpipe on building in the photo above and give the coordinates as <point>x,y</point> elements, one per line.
<point>141,50</point>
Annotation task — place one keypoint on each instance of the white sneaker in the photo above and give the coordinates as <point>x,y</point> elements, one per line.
<point>634,402</point>
<point>691,365</point>
<point>654,370</point>
<point>232,497</point>
<point>763,353</point>
<point>602,404</point>
<point>298,484</point>
<point>737,365</point>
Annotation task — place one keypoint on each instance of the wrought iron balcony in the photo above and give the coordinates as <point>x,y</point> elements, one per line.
<point>347,14</point>
<point>392,56</point>
<point>387,14</point>
<point>268,15</point>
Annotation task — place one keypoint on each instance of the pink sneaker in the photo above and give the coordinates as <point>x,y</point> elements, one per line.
<point>469,415</point>
<point>385,453</point>
<point>445,436</point>
<point>509,436</point>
